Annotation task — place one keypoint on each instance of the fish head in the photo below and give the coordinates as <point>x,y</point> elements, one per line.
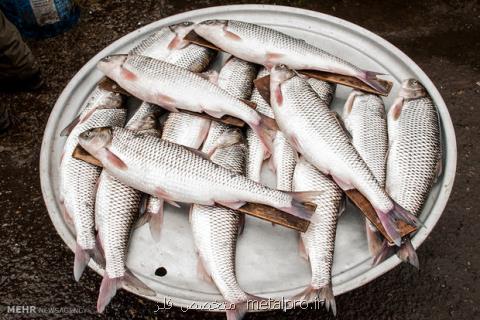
<point>182,28</point>
<point>211,27</point>
<point>281,73</point>
<point>411,89</point>
<point>111,64</point>
<point>95,139</point>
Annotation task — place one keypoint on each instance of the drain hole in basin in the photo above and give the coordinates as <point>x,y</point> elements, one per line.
<point>161,272</point>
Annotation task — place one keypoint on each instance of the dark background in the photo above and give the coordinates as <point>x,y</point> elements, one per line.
<point>442,37</point>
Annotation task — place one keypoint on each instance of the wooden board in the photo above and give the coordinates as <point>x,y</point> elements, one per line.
<point>321,75</point>
<point>366,207</point>
<point>254,209</point>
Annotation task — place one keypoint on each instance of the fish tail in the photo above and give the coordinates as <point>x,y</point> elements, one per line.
<point>238,311</point>
<point>155,223</point>
<point>402,214</point>
<point>298,206</point>
<point>390,224</point>
<point>374,239</point>
<point>109,287</point>
<point>407,253</point>
<point>82,257</point>
<point>383,253</point>
<point>370,78</point>
<point>324,294</point>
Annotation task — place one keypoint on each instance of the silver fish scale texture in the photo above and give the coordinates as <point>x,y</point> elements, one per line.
<point>193,57</point>
<point>270,38</point>
<point>144,119</point>
<point>284,159</point>
<point>78,178</point>
<point>236,77</point>
<point>216,130</point>
<point>116,210</point>
<point>215,231</point>
<point>188,168</point>
<point>325,90</point>
<point>155,45</point>
<point>255,156</point>
<point>321,123</point>
<point>319,239</point>
<point>367,124</point>
<point>101,97</point>
<point>415,152</point>
<point>262,105</point>
<point>185,129</point>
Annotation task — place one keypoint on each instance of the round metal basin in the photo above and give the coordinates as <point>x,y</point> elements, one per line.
<point>268,263</point>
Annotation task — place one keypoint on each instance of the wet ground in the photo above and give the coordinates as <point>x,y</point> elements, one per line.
<point>441,37</point>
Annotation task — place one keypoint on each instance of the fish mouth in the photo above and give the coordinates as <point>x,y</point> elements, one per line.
<point>214,22</point>
<point>281,73</point>
<point>114,57</point>
<point>412,89</point>
<point>181,25</point>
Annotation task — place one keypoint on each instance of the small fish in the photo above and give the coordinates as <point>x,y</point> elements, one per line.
<point>256,152</point>
<point>162,83</point>
<point>215,229</point>
<point>415,155</point>
<point>78,179</point>
<point>178,174</point>
<point>269,47</point>
<point>316,133</point>
<point>116,209</point>
<point>366,121</point>
<point>318,242</point>
<point>163,42</point>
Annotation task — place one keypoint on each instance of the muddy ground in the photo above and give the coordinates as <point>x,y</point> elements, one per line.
<point>441,37</point>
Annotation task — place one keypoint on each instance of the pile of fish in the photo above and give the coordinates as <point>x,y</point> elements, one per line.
<point>168,151</point>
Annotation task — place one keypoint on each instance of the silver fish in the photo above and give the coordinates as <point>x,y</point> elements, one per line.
<point>325,90</point>
<point>256,152</point>
<point>319,239</point>
<point>165,84</point>
<point>192,57</point>
<point>78,179</point>
<point>316,133</point>
<point>185,129</point>
<point>269,47</point>
<point>415,155</point>
<point>236,78</point>
<point>116,209</point>
<point>163,42</point>
<point>366,121</point>
<point>284,159</point>
<point>174,173</point>
<point>215,229</point>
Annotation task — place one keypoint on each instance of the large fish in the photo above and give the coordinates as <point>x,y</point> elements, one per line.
<point>366,121</point>
<point>78,179</point>
<point>415,156</point>
<point>269,47</point>
<point>319,239</point>
<point>116,210</point>
<point>174,173</point>
<point>316,133</point>
<point>165,84</point>
<point>215,230</point>
<point>256,152</point>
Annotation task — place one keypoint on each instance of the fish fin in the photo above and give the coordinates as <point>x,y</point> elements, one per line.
<point>108,289</point>
<point>235,205</point>
<point>324,294</point>
<point>278,96</point>
<point>239,309</point>
<point>226,141</point>
<point>178,43</point>
<point>249,103</point>
<point>374,239</point>
<point>370,79</point>
<point>305,196</point>
<point>155,224</point>
<point>128,75</point>
<point>302,249</point>
<point>68,129</point>
<point>202,271</point>
<point>401,213</point>
<point>132,282</point>
<point>298,207</point>
<point>241,223</point>
<point>166,102</point>
<point>114,160</point>
<point>232,36</point>
<point>396,108</point>
<point>383,253</point>
<point>407,253</point>
<point>198,153</point>
<point>82,257</point>
<point>210,75</point>
<point>142,208</point>
<point>160,193</point>
<point>265,131</point>
<point>142,220</point>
